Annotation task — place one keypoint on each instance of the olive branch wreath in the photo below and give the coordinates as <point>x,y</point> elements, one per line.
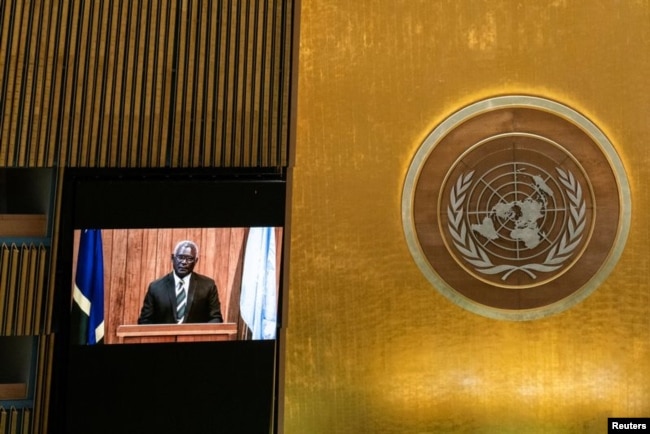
<point>476,256</point>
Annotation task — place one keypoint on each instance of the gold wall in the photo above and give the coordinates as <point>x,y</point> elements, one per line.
<point>372,347</point>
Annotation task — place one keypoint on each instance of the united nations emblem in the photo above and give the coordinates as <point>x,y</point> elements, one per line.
<point>516,207</point>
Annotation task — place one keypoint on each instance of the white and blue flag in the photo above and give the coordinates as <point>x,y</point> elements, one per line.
<point>258,302</point>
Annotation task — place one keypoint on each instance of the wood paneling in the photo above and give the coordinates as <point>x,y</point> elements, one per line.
<point>145,83</point>
<point>15,421</point>
<point>43,382</point>
<point>13,391</point>
<point>22,279</point>
<point>207,332</point>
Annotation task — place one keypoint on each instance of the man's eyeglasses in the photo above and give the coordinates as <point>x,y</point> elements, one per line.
<point>184,258</point>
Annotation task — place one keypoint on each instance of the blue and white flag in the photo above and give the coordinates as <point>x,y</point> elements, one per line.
<point>258,302</point>
<point>88,296</point>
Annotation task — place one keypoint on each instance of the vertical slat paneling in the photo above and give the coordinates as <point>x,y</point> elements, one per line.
<point>282,77</point>
<point>12,70</point>
<point>36,89</point>
<point>88,62</point>
<point>248,83</point>
<point>11,281</point>
<point>56,109</point>
<point>70,75</point>
<point>161,67</point>
<point>105,116</point>
<point>143,87</point>
<point>42,322</point>
<point>179,148</point>
<point>228,84</point>
<point>76,77</point>
<point>257,46</point>
<point>25,106</point>
<point>210,49</point>
<point>131,148</point>
<point>15,420</point>
<point>145,83</point>
<point>47,47</point>
<point>43,383</point>
<point>131,80</point>
<point>197,112</point>
<point>5,35</point>
<point>166,89</point>
<point>22,282</point>
<point>116,125</point>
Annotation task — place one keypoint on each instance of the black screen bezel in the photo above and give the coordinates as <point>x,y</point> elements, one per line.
<point>114,388</point>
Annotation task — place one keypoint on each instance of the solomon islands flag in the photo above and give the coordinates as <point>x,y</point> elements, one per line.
<point>87,318</point>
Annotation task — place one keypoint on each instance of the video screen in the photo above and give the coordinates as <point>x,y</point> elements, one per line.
<point>166,270</point>
<point>159,285</point>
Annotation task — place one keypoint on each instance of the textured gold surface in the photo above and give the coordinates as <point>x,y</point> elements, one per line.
<point>371,346</point>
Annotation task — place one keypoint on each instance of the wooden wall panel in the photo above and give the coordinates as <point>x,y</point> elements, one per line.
<point>22,279</point>
<point>43,383</point>
<point>15,421</point>
<point>145,83</point>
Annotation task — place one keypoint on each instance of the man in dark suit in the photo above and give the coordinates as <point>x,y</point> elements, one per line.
<point>181,296</point>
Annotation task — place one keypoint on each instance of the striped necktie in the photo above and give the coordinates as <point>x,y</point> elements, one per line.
<point>181,301</point>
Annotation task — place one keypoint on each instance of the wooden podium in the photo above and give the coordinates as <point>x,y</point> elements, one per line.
<point>152,333</point>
